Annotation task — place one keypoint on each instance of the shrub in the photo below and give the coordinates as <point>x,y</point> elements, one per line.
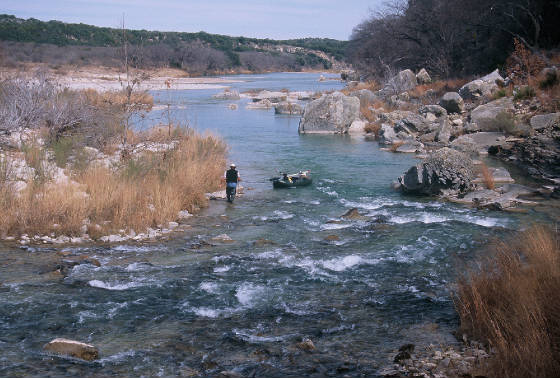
<point>62,149</point>
<point>524,92</point>
<point>509,302</point>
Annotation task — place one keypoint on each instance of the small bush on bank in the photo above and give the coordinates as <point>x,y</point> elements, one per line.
<point>524,93</point>
<point>509,302</point>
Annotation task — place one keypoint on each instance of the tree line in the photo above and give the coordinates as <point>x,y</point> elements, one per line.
<point>451,37</point>
<point>25,40</point>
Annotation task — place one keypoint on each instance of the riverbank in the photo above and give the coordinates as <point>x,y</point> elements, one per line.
<point>110,79</point>
<point>73,172</point>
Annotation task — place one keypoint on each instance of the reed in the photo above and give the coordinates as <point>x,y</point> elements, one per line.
<point>509,302</point>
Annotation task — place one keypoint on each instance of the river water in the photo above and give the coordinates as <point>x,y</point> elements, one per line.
<point>357,288</point>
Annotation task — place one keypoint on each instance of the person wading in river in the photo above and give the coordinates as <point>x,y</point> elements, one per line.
<point>232,177</point>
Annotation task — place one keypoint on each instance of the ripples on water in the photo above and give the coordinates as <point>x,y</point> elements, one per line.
<point>160,309</point>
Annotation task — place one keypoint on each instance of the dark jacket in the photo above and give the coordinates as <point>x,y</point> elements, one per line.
<point>232,175</point>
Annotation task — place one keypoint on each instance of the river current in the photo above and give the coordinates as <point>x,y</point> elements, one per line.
<point>357,288</point>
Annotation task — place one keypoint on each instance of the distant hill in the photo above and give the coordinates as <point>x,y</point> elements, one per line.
<point>55,42</point>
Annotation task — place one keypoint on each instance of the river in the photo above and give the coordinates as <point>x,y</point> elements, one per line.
<point>357,288</point>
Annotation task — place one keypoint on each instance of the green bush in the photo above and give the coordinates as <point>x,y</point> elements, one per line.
<point>62,149</point>
<point>525,92</point>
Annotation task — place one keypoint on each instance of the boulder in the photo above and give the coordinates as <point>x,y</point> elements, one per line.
<point>422,77</point>
<point>365,95</point>
<point>73,349</point>
<point>444,131</point>
<point>544,121</point>
<point>223,238</point>
<point>273,97</point>
<point>452,102</point>
<point>489,117</point>
<point>349,75</point>
<point>264,104</point>
<point>387,134</point>
<point>288,108</point>
<point>446,171</point>
<point>410,147</point>
<point>306,345</point>
<point>478,141</point>
<point>406,80</point>
<point>353,214</point>
<point>330,114</point>
<point>357,127</point>
<point>227,95</point>
<point>436,110</point>
<point>481,87</point>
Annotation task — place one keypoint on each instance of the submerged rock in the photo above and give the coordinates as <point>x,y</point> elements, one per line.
<point>223,238</point>
<point>227,95</point>
<point>353,213</point>
<point>330,114</point>
<point>445,171</point>
<point>306,345</point>
<point>72,348</point>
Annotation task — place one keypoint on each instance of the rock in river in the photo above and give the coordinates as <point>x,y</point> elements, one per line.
<point>330,114</point>
<point>72,348</point>
<point>446,171</point>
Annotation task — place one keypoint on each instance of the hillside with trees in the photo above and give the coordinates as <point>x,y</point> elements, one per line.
<point>452,37</point>
<point>59,43</point>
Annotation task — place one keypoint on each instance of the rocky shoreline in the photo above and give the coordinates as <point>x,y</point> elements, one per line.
<point>454,133</point>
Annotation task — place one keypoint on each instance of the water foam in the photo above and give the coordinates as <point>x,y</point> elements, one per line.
<point>108,286</point>
<point>248,293</point>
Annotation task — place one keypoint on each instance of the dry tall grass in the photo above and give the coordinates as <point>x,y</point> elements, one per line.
<point>487,177</point>
<point>373,128</point>
<point>143,192</point>
<point>511,303</point>
<point>395,145</point>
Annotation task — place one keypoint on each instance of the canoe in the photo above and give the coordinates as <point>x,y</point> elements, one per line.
<point>292,181</point>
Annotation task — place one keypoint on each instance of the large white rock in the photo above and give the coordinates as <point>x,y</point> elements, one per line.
<point>331,114</point>
<point>73,349</point>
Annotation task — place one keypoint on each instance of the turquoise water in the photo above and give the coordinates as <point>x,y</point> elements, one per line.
<point>191,303</point>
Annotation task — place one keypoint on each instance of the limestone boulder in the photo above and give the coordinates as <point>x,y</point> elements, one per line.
<point>452,102</point>
<point>446,171</point>
<point>484,86</point>
<point>544,121</point>
<point>227,95</point>
<point>422,77</point>
<point>365,95</point>
<point>349,75</point>
<point>290,108</point>
<point>406,80</point>
<point>72,348</point>
<point>490,116</point>
<point>330,114</point>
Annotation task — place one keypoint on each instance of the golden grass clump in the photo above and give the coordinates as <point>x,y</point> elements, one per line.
<point>510,303</point>
<point>144,191</point>
<point>487,177</point>
<point>373,128</point>
<point>395,145</point>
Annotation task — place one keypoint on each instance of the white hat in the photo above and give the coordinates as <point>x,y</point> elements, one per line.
<point>232,165</point>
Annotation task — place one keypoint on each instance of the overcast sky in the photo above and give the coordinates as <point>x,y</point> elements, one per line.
<point>278,19</point>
